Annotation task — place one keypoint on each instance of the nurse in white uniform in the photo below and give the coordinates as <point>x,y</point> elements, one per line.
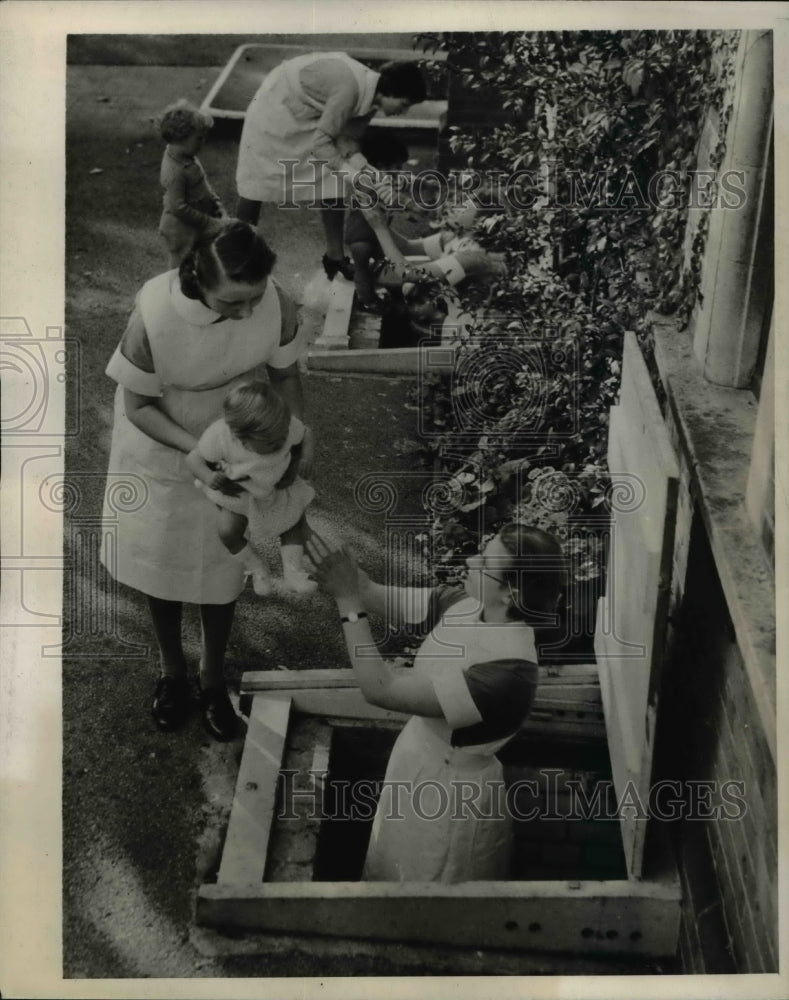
<point>193,334</point>
<point>300,140</point>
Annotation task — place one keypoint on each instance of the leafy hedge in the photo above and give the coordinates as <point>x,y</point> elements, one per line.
<point>601,120</point>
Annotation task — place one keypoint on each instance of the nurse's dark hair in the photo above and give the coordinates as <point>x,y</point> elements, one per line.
<point>382,149</point>
<point>402,79</point>
<point>537,576</point>
<point>237,252</point>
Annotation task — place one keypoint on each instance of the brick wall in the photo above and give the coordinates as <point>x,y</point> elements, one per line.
<point>710,731</point>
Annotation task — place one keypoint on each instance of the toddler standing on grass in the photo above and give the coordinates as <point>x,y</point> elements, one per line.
<point>192,209</point>
<point>246,463</point>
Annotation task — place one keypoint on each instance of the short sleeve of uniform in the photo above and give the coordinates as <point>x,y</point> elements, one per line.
<point>292,341</point>
<point>132,363</point>
<point>295,432</point>
<point>487,701</point>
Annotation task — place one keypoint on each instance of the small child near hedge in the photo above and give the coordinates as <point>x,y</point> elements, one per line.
<point>192,209</point>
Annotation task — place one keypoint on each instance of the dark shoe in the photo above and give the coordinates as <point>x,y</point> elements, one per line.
<point>374,308</point>
<point>171,702</point>
<point>219,716</point>
<point>343,267</point>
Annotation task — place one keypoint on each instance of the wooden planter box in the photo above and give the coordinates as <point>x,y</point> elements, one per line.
<point>348,341</point>
<point>612,916</point>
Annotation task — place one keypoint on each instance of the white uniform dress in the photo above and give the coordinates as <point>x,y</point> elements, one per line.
<point>484,676</point>
<point>165,543</point>
<point>311,107</point>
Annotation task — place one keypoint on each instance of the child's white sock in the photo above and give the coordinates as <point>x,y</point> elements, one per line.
<point>294,576</point>
<point>256,568</point>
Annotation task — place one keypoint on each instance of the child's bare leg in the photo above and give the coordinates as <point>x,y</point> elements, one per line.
<point>294,576</point>
<point>463,264</point>
<point>363,276</point>
<point>332,217</point>
<point>232,528</point>
<point>297,535</point>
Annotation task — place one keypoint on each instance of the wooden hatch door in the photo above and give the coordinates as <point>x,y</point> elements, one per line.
<point>630,637</point>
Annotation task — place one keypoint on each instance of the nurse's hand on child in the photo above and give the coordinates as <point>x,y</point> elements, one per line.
<point>229,487</point>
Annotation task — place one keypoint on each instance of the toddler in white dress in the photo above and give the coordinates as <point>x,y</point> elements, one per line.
<point>247,464</point>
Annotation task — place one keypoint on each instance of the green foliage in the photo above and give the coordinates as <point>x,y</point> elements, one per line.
<point>604,127</point>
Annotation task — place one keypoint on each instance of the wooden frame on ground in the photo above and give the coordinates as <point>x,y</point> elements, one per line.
<point>634,917</point>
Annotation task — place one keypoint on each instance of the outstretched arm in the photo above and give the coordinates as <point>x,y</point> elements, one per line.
<point>396,688</point>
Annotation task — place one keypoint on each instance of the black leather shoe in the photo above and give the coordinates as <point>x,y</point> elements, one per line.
<point>219,716</point>
<point>344,267</point>
<point>171,702</point>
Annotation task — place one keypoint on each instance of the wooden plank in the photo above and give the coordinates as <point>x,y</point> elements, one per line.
<point>558,673</point>
<point>253,681</point>
<point>252,812</point>
<point>630,635</point>
<point>334,693</point>
<point>575,731</point>
<point>575,694</point>
<point>395,361</point>
<point>625,740</point>
<point>615,917</point>
<point>347,703</point>
<point>569,677</point>
<point>640,383</point>
<point>294,840</point>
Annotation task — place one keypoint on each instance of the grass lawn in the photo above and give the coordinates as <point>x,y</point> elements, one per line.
<point>208,50</point>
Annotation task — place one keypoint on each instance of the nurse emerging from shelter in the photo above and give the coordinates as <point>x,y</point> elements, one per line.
<point>442,815</point>
<point>310,109</point>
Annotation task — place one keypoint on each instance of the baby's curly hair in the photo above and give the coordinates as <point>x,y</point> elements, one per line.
<point>180,120</point>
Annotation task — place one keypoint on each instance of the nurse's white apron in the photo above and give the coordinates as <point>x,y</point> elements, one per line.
<point>162,537</point>
<point>280,125</point>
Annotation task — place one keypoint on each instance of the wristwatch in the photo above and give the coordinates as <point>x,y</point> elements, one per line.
<point>353,616</point>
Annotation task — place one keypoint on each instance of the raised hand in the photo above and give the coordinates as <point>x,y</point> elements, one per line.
<point>335,568</point>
